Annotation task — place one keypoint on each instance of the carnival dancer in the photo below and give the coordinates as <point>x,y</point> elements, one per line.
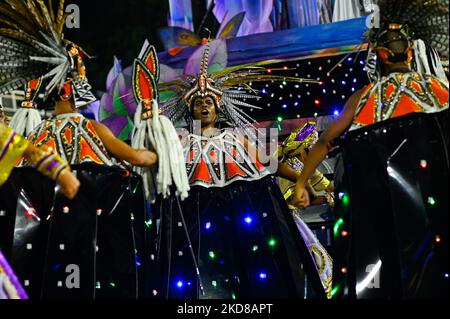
<point>100,229</point>
<point>397,140</point>
<point>46,161</point>
<point>232,236</point>
<point>293,151</point>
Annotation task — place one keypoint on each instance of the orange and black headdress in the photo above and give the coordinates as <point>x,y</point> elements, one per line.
<point>32,89</point>
<point>228,87</point>
<point>33,47</point>
<point>414,19</point>
<point>415,22</point>
<point>145,77</point>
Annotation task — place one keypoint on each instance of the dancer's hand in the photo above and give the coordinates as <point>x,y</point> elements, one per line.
<point>147,158</point>
<point>301,197</point>
<point>69,183</point>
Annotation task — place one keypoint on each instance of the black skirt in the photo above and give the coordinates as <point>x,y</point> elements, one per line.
<point>238,241</point>
<point>92,247</point>
<point>392,186</point>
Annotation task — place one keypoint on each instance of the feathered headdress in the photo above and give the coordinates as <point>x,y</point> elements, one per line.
<point>224,86</point>
<point>419,19</point>
<point>156,132</point>
<point>32,46</point>
<point>423,23</point>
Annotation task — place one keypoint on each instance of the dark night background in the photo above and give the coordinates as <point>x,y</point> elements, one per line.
<point>119,27</point>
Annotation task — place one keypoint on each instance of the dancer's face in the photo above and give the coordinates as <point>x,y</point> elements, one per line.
<point>4,119</point>
<point>205,110</point>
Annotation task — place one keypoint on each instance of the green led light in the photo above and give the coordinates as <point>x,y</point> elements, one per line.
<point>212,255</point>
<point>279,119</point>
<point>149,223</point>
<point>272,242</point>
<point>431,201</point>
<point>254,248</point>
<point>214,283</point>
<point>345,200</point>
<point>337,225</point>
<point>335,290</point>
<point>233,296</point>
<point>112,284</point>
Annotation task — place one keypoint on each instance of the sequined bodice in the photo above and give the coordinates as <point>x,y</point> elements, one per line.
<point>400,94</point>
<point>74,138</point>
<point>218,161</point>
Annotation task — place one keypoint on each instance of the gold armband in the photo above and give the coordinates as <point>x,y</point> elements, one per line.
<point>47,162</point>
<point>12,146</point>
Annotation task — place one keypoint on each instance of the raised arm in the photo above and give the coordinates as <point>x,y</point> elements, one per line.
<point>122,150</point>
<point>321,148</point>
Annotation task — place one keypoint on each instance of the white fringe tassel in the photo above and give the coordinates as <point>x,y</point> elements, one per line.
<point>25,120</point>
<point>421,54</point>
<point>159,134</point>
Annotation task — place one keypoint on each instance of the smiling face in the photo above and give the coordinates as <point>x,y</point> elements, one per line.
<point>204,109</point>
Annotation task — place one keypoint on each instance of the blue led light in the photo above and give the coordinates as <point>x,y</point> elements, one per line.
<point>343,82</point>
<point>284,106</point>
<point>262,275</point>
<point>446,275</point>
<point>208,226</point>
<point>248,220</point>
<point>180,284</point>
<point>336,112</point>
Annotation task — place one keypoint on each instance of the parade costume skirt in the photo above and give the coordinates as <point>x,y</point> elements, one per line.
<point>243,241</point>
<point>94,246</point>
<point>392,221</point>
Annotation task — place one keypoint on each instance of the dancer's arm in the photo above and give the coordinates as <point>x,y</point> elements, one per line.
<point>321,148</point>
<point>68,182</point>
<point>14,146</point>
<point>122,150</point>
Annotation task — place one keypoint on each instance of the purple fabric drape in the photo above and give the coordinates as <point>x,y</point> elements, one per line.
<point>257,14</point>
<point>303,12</point>
<point>180,14</point>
